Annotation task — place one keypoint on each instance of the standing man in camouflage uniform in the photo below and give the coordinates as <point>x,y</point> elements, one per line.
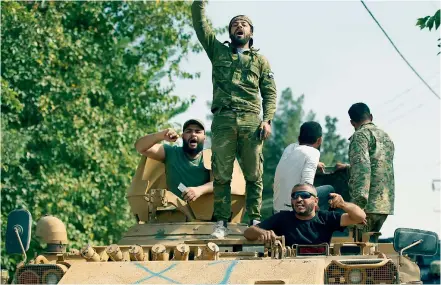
<point>371,182</point>
<point>239,72</point>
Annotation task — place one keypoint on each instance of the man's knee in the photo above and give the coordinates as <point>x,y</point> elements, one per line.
<point>222,168</point>
<point>253,172</point>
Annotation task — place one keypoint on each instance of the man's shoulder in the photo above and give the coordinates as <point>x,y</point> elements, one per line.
<point>326,215</point>
<point>369,131</point>
<point>171,151</point>
<point>276,219</point>
<point>260,57</point>
<point>361,134</point>
<point>171,147</point>
<point>308,150</point>
<point>289,150</point>
<point>284,214</point>
<point>379,132</point>
<point>291,147</point>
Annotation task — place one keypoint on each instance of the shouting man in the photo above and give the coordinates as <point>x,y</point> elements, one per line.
<point>239,73</point>
<point>182,164</point>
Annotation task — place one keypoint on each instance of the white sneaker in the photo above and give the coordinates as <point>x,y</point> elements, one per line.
<point>254,222</point>
<point>220,231</point>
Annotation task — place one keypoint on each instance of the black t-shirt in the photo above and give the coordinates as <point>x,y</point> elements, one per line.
<point>314,231</point>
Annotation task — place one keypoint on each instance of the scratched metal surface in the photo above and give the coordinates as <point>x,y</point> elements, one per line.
<point>173,233</point>
<point>309,271</point>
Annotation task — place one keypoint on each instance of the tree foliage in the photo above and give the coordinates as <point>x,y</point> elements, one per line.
<point>81,81</point>
<point>429,22</point>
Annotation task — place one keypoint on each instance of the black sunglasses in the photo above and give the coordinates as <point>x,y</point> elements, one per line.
<point>302,194</point>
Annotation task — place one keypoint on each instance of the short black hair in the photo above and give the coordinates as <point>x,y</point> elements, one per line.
<point>310,132</point>
<point>305,184</point>
<point>359,112</point>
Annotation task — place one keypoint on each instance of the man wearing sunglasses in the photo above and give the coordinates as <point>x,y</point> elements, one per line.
<point>304,225</point>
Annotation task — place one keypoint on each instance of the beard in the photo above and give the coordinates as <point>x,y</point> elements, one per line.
<point>192,151</point>
<point>308,209</point>
<point>239,42</point>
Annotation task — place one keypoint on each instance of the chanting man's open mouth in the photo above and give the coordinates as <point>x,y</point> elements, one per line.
<point>239,33</point>
<point>193,142</point>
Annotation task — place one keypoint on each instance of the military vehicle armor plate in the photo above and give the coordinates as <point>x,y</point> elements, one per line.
<point>170,243</point>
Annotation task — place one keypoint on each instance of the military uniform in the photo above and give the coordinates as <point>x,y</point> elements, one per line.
<point>371,182</point>
<point>237,78</point>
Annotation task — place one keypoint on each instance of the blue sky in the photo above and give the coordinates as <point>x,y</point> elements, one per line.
<point>335,54</point>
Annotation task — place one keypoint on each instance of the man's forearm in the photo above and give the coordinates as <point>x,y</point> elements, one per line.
<point>146,142</point>
<point>360,171</point>
<point>252,233</point>
<point>359,185</point>
<point>269,107</point>
<point>268,90</point>
<point>203,30</point>
<point>207,188</point>
<point>353,211</point>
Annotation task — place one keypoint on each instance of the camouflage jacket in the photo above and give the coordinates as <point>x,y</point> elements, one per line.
<point>236,78</point>
<point>371,182</point>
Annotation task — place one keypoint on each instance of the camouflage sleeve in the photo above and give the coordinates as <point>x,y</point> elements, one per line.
<point>204,32</point>
<point>360,170</point>
<point>268,90</point>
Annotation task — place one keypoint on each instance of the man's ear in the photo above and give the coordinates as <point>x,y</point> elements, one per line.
<point>319,141</point>
<point>352,123</point>
<point>371,117</point>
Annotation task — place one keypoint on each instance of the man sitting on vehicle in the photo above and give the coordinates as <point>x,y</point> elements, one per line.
<point>298,164</point>
<point>304,225</point>
<point>182,164</point>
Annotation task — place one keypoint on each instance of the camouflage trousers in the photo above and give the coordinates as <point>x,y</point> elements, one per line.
<point>236,134</point>
<point>374,224</point>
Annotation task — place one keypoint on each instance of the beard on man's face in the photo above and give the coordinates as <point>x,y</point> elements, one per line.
<point>305,211</point>
<point>192,150</point>
<point>236,41</point>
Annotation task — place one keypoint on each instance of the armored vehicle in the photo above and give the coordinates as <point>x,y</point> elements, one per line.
<point>170,243</point>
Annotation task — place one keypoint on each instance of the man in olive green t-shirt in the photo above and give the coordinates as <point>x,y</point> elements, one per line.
<point>182,164</point>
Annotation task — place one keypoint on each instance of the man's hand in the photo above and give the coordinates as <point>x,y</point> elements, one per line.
<point>340,165</point>
<point>321,167</point>
<point>191,194</point>
<point>265,130</point>
<point>267,236</point>
<point>337,200</point>
<point>170,135</point>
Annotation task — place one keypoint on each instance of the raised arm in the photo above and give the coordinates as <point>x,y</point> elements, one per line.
<point>354,214</point>
<point>268,91</point>
<point>360,170</point>
<point>203,30</point>
<point>150,147</point>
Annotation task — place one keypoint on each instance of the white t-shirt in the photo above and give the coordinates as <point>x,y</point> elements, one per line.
<point>298,164</point>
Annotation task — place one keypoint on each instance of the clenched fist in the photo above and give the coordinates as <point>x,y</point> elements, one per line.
<point>170,135</point>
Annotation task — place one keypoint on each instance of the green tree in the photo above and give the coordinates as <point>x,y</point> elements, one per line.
<point>429,22</point>
<point>334,147</point>
<point>81,81</point>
